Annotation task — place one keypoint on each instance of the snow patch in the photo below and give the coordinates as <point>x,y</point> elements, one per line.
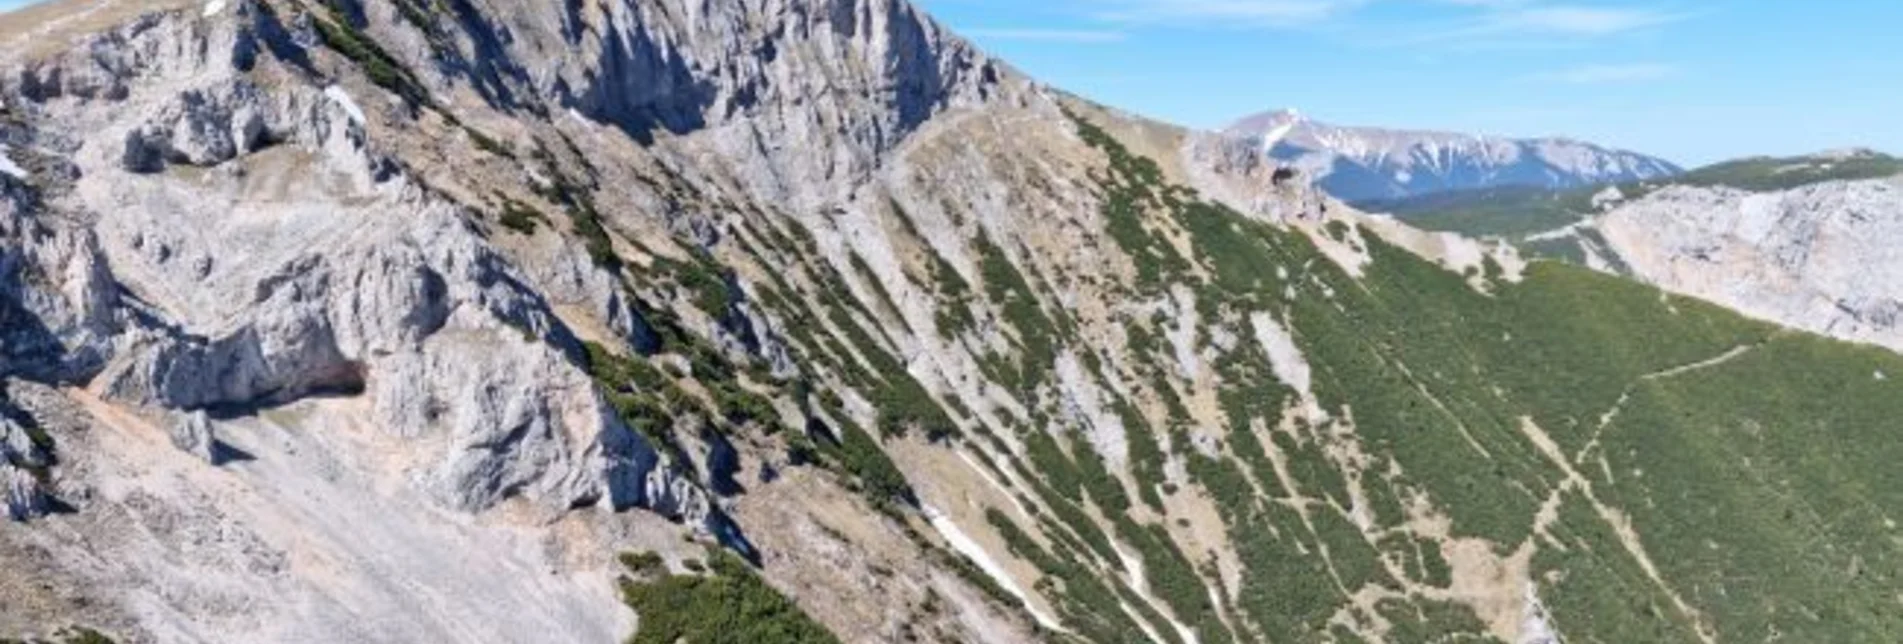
<point>1537,627</point>
<point>1276,135</point>
<point>1142,584</point>
<point>214,7</point>
<point>964,544</point>
<point>342,97</point>
<point>8,167</point>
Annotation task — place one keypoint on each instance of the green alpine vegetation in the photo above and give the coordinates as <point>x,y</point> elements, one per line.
<point>729,604</point>
<point>74,635</point>
<point>1514,212</point>
<point>1706,474</point>
<point>1765,174</point>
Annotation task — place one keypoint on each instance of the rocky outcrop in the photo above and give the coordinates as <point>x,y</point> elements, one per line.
<point>58,303</point>
<point>848,80</point>
<point>1817,258</point>
<point>303,264</point>
<point>204,228</point>
<point>24,459</point>
<point>1233,170</point>
<point>191,433</point>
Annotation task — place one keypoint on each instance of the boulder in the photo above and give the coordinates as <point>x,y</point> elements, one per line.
<point>191,433</point>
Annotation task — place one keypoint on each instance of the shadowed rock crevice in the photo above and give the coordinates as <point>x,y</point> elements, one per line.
<point>642,86</point>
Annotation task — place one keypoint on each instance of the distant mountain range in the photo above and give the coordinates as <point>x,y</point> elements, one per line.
<point>1358,164</point>
<point>1516,212</point>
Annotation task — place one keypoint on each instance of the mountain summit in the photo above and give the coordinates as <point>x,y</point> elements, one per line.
<point>1358,164</point>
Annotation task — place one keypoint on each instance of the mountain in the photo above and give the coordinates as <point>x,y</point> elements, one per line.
<point>1357,164</point>
<point>1522,212</point>
<point>1796,240</point>
<point>806,321</point>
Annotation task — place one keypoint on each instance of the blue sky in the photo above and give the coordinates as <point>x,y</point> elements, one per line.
<point>1695,81</point>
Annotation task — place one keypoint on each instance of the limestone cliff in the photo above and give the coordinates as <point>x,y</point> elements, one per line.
<point>1818,257</point>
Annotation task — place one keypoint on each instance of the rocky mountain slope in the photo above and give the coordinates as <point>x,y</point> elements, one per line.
<point>789,320</point>
<point>1360,164</point>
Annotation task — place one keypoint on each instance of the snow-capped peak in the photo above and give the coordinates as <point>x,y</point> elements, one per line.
<point>1360,163</point>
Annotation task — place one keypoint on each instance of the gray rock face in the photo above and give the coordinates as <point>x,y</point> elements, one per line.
<point>1365,164</point>
<point>18,446</point>
<point>23,461</point>
<point>1232,169</point>
<point>191,433</point>
<point>848,80</point>
<point>301,264</point>
<point>58,305</point>
<point>1820,258</point>
<point>25,500</point>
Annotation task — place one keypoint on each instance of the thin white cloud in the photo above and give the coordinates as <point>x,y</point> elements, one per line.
<point>1248,13</point>
<point>1494,4</point>
<point>1531,25</point>
<point>1461,19</point>
<point>1082,36</point>
<point>1574,20</point>
<point>1605,74</point>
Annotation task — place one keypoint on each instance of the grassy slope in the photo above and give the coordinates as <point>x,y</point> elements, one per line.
<point>729,605</point>
<point>1510,212</point>
<point>1757,485</point>
<point>1772,174</point>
